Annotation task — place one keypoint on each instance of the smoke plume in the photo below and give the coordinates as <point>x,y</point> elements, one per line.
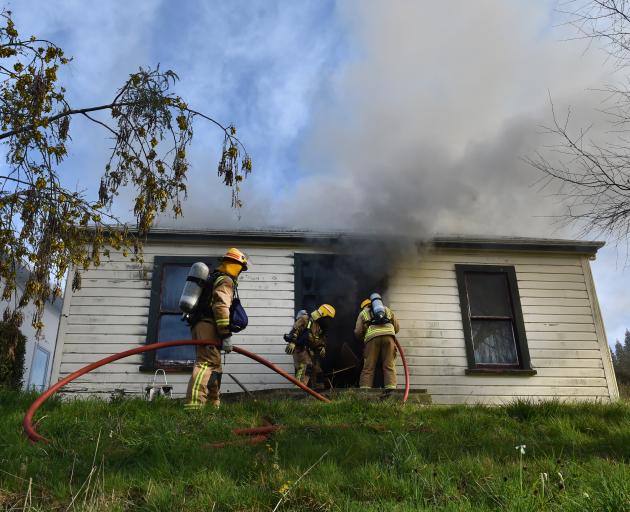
<point>423,129</point>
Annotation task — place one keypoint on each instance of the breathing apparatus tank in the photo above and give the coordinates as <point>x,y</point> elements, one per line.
<point>379,314</point>
<point>193,288</point>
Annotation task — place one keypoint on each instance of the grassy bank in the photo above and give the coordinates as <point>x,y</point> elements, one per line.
<point>133,455</point>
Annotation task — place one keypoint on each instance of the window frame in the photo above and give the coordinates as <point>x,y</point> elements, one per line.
<point>149,363</point>
<point>30,385</point>
<point>524,367</point>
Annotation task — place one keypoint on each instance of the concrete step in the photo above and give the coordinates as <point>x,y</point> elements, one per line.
<point>418,396</point>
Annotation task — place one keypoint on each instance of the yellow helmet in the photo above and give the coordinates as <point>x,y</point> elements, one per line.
<point>326,310</point>
<point>234,254</point>
<point>365,303</point>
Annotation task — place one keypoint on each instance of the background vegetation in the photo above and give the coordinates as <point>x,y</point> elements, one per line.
<point>12,352</point>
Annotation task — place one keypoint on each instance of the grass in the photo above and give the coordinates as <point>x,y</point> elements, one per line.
<point>135,455</point>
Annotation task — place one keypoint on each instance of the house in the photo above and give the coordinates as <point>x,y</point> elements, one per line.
<point>39,351</point>
<point>483,320</point>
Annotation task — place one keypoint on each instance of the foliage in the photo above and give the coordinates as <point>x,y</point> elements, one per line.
<point>135,455</point>
<point>47,226</point>
<point>593,178</point>
<point>621,359</point>
<point>12,351</point>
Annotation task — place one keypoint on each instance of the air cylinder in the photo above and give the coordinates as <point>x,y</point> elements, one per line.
<point>378,309</point>
<point>195,281</point>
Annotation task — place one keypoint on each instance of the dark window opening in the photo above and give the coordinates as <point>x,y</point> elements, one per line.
<point>493,321</point>
<point>169,276</point>
<point>342,281</point>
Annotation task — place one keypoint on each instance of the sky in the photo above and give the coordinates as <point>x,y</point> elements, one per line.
<point>397,115</point>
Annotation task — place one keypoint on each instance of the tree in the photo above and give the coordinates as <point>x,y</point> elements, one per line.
<point>594,177</point>
<point>48,227</point>
<point>621,359</point>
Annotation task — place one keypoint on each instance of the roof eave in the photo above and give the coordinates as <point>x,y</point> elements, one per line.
<point>316,238</point>
<point>589,248</point>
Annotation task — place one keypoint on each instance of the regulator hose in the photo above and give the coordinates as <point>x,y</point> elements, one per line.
<point>29,430</point>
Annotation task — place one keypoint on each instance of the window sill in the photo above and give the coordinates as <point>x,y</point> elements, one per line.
<point>500,371</point>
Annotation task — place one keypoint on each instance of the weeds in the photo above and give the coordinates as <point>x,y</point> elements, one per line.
<point>134,455</point>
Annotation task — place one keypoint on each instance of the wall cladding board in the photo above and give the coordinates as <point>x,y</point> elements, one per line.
<point>558,316</point>
<point>109,314</point>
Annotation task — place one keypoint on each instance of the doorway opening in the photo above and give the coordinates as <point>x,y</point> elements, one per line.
<point>342,281</point>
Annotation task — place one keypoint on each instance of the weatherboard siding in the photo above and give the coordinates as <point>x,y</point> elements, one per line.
<point>567,343</point>
<point>565,333</point>
<point>109,314</point>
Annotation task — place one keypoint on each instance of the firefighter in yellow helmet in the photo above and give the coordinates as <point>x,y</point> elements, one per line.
<point>376,327</point>
<point>211,321</point>
<point>306,342</point>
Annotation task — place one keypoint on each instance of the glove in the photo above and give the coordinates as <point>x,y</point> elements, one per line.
<point>290,348</point>
<point>287,338</point>
<point>227,345</point>
<point>322,352</point>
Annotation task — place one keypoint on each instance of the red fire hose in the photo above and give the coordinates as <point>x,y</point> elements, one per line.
<point>406,368</point>
<point>28,418</point>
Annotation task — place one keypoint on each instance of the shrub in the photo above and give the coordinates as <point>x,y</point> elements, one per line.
<point>12,351</point>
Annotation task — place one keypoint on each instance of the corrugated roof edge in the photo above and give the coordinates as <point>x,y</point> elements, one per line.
<point>455,242</point>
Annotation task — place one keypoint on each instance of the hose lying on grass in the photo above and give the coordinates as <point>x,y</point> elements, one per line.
<point>255,435</point>
<point>28,418</point>
<point>405,368</point>
<point>29,429</point>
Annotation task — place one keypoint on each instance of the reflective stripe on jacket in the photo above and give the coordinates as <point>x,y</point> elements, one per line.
<point>365,330</point>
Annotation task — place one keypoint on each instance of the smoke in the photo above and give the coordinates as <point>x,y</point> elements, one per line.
<point>429,125</point>
<point>424,127</point>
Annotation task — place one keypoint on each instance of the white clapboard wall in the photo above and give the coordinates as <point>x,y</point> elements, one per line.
<point>564,329</point>
<point>567,344</point>
<point>109,314</point>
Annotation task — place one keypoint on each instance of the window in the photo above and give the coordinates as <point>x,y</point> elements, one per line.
<point>493,322</point>
<point>39,369</point>
<point>165,323</point>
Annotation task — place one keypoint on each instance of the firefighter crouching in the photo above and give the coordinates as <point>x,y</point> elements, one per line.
<point>211,321</point>
<point>306,342</point>
<point>377,327</point>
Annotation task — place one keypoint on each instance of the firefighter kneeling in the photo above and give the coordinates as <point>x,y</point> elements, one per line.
<point>307,342</point>
<point>377,327</point>
<point>214,312</point>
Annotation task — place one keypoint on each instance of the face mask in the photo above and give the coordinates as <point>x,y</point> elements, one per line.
<point>324,323</point>
<point>233,269</point>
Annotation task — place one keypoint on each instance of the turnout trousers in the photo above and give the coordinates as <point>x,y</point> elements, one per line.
<point>386,348</point>
<point>205,381</point>
<point>306,366</point>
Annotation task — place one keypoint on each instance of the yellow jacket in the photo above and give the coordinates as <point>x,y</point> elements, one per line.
<point>364,330</point>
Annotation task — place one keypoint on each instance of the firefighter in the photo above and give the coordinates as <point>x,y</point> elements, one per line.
<point>306,342</point>
<point>211,321</point>
<point>376,327</point>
